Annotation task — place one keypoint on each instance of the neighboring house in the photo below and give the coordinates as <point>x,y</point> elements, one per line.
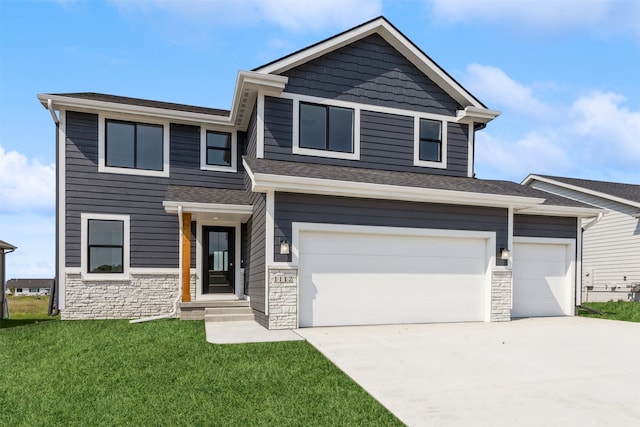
<point>32,287</point>
<point>339,189</point>
<point>611,244</point>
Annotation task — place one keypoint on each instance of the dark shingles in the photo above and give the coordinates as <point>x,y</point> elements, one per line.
<point>404,179</point>
<point>624,191</point>
<point>145,103</point>
<point>187,194</point>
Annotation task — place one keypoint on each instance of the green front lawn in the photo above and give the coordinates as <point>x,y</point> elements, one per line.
<point>164,373</point>
<point>614,310</point>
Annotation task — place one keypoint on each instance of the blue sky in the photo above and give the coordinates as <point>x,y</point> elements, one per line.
<point>564,74</point>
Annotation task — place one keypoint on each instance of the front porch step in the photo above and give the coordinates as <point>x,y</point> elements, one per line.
<point>198,310</point>
<point>228,313</point>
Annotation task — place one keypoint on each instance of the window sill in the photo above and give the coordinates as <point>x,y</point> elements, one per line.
<point>326,153</point>
<point>97,277</point>
<point>428,164</point>
<point>213,168</point>
<point>139,172</point>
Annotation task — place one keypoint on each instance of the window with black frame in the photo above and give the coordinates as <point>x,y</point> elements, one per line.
<point>219,146</point>
<point>105,246</point>
<point>430,140</point>
<point>325,127</point>
<point>134,145</point>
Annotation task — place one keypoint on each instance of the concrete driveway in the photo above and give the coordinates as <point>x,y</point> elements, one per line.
<point>566,371</point>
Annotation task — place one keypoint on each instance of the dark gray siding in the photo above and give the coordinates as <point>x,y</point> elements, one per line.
<point>255,257</point>
<point>291,207</point>
<point>386,141</point>
<point>252,134</point>
<point>370,71</point>
<point>154,233</point>
<point>545,226</point>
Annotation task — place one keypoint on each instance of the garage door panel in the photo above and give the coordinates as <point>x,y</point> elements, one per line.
<point>393,264</point>
<point>381,244</point>
<point>353,278</point>
<point>541,279</point>
<point>377,302</point>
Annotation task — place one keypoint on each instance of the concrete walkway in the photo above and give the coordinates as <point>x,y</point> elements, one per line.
<point>245,332</point>
<point>568,371</point>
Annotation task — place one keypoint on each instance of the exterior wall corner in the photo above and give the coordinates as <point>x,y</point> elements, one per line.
<point>283,298</point>
<point>501,285</point>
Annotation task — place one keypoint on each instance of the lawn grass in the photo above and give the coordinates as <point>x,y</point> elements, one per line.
<point>24,310</point>
<point>164,373</point>
<point>628,311</point>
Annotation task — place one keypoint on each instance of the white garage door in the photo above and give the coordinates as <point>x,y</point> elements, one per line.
<point>360,278</point>
<point>543,277</point>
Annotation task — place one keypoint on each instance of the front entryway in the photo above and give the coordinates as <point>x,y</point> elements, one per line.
<point>218,264</point>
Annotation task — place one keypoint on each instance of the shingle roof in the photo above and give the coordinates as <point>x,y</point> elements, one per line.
<point>144,103</point>
<point>187,194</point>
<point>4,245</point>
<point>30,283</point>
<point>404,179</point>
<point>624,191</point>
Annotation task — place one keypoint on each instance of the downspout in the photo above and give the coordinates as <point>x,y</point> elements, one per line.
<point>594,222</point>
<point>53,309</point>
<point>174,311</point>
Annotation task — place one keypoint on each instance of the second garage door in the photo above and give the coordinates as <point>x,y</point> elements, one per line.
<point>543,277</point>
<point>361,277</point>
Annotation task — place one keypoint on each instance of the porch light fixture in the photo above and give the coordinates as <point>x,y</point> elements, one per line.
<point>284,247</point>
<point>505,253</point>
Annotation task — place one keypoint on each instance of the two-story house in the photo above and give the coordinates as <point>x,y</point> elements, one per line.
<point>339,189</point>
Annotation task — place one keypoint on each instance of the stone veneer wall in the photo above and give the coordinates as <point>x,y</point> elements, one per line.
<point>283,298</point>
<point>501,295</point>
<point>144,294</point>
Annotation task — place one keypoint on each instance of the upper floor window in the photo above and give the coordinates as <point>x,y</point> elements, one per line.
<point>430,147</point>
<point>134,148</point>
<point>218,151</point>
<point>430,140</point>
<point>325,127</point>
<point>134,145</point>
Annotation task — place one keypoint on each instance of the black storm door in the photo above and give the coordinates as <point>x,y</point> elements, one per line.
<point>219,260</point>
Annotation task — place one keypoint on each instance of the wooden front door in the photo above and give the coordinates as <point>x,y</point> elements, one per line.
<point>219,260</point>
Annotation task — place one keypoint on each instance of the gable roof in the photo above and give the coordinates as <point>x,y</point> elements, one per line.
<point>411,186</point>
<point>623,193</point>
<point>396,39</point>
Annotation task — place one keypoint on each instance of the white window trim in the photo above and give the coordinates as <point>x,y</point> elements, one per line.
<point>295,140</point>
<point>357,108</point>
<point>102,166</point>
<point>84,240</point>
<point>203,151</point>
<point>416,144</point>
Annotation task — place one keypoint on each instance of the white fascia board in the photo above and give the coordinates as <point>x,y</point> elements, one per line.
<point>532,178</point>
<point>549,210</point>
<point>248,84</point>
<point>68,102</point>
<point>476,115</point>
<point>217,208</point>
<point>265,182</point>
<point>395,39</point>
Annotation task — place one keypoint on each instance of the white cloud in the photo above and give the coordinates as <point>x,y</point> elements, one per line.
<point>594,135</point>
<point>34,235</point>
<point>500,91</point>
<point>25,185</point>
<point>598,16</point>
<point>609,131</point>
<point>292,15</point>
<point>532,152</point>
